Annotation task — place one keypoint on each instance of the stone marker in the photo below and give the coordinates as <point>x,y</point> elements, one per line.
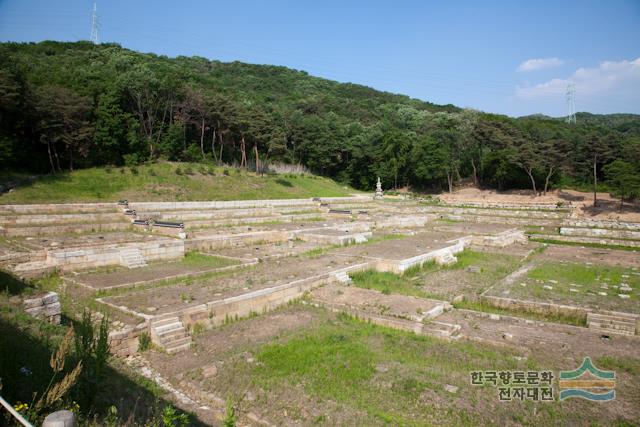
<point>209,371</point>
<point>623,296</point>
<point>62,418</point>
<point>379,193</point>
<point>46,306</point>
<point>451,388</point>
<point>604,294</point>
<point>548,287</point>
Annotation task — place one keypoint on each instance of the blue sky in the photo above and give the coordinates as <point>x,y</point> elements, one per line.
<point>509,57</point>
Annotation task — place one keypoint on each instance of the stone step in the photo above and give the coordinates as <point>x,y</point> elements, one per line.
<point>164,321</point>
<point>170,334</point>
<point>442,329</point>
<point>610,331</point>
<point>446,259</point>
<point>343,277</point>
<point>179,348</point>
<point>132,258</point>
<point>170,340</point>
<point>612,323</point>
<point>618,316</point>
<point>160,330</point>
<point>614,328</point>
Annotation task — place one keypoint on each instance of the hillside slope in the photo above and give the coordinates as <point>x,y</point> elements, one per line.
<point>169,182</point>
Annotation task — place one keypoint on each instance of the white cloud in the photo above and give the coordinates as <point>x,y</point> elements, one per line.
<point>539,64</point>
<point>610,79</point>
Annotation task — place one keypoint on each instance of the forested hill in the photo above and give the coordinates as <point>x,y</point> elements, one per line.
<point>74,105</point>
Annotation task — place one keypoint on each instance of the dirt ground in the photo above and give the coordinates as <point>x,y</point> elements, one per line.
<point>396,305</point>
<point>157,271</point>
<point>402,248</point>
<point>267,251</point>
<point>194,291</point>
<point>590,255</point>
<point>225,359</point>
<point>608,208</point>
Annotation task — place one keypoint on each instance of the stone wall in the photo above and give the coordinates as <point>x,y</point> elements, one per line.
<point>69,218</point>
<point>439,255</point>
<point>502,220</point>
<point>56,208</point>
<point>125,342</point>
<point>63,229</point>
<point>600,232</point>
<point>98,256</point>
<point>505,238</point>
<point>217,241</point>
<point>216,313</point>
<point>584,239</point>
<point>45,306</point>
<point>613,225</point>
<point>519,213</point>
<point>535,307</point>
<point>407,221</point>
<point>230,204</point>
<point>528,206</point>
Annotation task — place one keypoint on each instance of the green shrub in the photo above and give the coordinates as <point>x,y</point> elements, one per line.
<point>178,171</point>
<point>171,417</point>
<point>131,159</point>
<point>144,342</point>
<point>230,415</point>
<point>92,348</point>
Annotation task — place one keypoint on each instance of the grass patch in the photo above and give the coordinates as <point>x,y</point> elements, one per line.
<point>411,281</point>
<point>586,278</point>
<point>385,376</point>
<point>160,182</point>
<point>388,283</point>
<point>619,364</point>
<point>198,260</point>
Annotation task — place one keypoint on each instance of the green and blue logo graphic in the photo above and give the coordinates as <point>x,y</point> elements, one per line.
<point>588,382</point>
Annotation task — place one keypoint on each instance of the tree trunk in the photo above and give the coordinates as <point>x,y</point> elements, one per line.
<point>450,181</point>
<point>533,182</point>
<point>595,183</point>
<point>255,150</point>
<point>202,139</point>
<point>70,160</point>
<point>221,146</point>
<point>55,154</point>
<point>546,181</point>
<point>53,168</point>
<point>184,136</point>
<point>213,146</point>
<point>475,172</point>
<point>243,153</point>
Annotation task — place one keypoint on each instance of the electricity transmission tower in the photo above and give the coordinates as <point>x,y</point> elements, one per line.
<point>94,24</point>
<point>571,104</point>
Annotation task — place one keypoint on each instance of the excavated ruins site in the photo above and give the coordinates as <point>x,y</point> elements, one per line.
<point>216,285</point>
